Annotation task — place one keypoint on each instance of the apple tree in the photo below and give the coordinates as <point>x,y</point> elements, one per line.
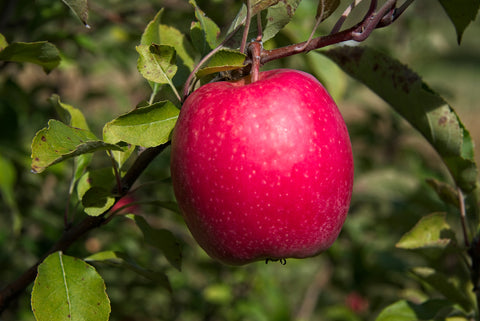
<point>122,122</point>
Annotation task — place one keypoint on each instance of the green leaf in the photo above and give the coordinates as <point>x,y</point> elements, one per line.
<point>407,311</point>
<point>208,29</point>
<point>157,63</point>
<point>74,118</point>
<point>417,103</point>
<point>276,16</point>
<point>8,179</point>
<point>446,192</point>
<point>223,60</point>
<point>59,142</point>
<point>69,114</point>
<point>171,36</point>
<point>162,239</point>
<point>41,53</point>
<point>151,34</point>
<point>461,13</point>
<point>122,156</point>
<point>429,232</point>
<point>325,8</point>
<point>99,178</point>
<point>67,288</point>
<point>3,42</point>
<point>259,5</point>
<point>121,259</point>
<point>442,284</point>
<point>145,126</point>
<point>97,201</point>
<point>80,8</point>
<point>94,190</point>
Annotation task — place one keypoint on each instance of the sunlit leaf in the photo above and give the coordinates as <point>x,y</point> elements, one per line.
<point>70,115</point>
<point>171,36</point>
<point>122,156</point>
<point>408,311</point>
<point>462,13</point>
<point>442,284</point>
<point>208,29</point>
<point>157,63</point>
<point>74,118</point>
<point>122,260</point>
<point>429,232</point>
<point>151,34</point>
<point>80,8</point>
<point>162,239</point>
<point>41,53</point>
<point>223,60</point>
<point>59,142</point>
<point>67,288</point>
<point>417,103</point>
<point>145,126</point>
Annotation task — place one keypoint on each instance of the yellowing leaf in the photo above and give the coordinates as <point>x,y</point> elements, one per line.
<point>171,36</point>
<point>427,233</point>
<point>157,63</point>
<point>223,60</point>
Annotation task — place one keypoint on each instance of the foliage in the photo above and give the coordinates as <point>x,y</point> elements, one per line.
<point>79,125</point>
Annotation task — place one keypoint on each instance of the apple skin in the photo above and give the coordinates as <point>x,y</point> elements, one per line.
<point>262,170</point>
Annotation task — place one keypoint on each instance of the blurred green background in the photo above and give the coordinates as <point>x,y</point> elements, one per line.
<point>361,274</point>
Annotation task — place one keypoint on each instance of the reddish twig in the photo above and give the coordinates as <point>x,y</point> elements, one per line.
<point>243,44</point>
<point>374,19</point>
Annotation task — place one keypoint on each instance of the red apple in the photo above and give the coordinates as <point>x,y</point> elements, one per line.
<point>262,170</point>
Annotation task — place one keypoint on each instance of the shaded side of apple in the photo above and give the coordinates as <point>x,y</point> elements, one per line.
<point>262,170</point>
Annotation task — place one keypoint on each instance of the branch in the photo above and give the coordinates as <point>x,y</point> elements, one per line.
<point>72,234</point>
<point>373,20</point>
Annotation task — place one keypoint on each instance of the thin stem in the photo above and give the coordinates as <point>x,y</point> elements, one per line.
<point>243,44</point>
<point>259,28</point>
<point>344,16</point>
<point>170,82</point>
<point>463,216</point>
<point>186,89</point>
<point>318,19</point>
<point>153,94</point>
<point>359,32</point>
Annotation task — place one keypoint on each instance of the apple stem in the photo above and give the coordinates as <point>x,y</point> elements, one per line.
<point>255,48</point>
